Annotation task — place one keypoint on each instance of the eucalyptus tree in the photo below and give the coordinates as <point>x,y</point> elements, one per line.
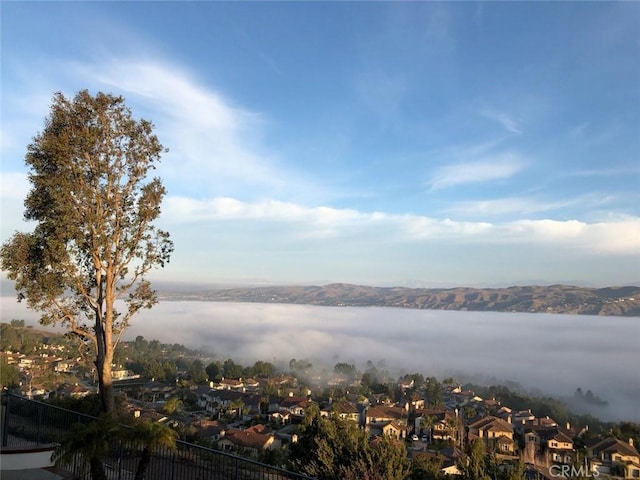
<point>94,240</point>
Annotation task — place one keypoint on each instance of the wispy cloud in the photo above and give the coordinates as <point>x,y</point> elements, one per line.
<point>496,167</point>
<point>524,205</point>
<point>605,172</point>
<point>215,145</point>
<point>508,122</point>
<point>203,127</point>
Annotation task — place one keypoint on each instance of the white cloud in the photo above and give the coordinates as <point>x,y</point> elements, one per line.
<point>496,167</point>
<point>524,205</point>
<point>620,236</point>
<point>617,236</point>
<point>205,132</point>
<point>509,123</point>
<point>214,145</point>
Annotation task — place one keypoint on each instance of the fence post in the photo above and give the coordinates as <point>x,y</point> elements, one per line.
<point>5,418</point>
<point>39,424</point>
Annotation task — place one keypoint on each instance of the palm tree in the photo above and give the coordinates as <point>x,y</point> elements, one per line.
<point>237,404</point>
<point>452,427</point>
<point>89,444</point>
<point>427,421</point>
<point>149,436</point>
<point>172,406</point>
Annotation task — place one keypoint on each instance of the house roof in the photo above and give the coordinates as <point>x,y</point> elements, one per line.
<point>248,438</point>
<point>231,382</point>
<point>432,412</point>
<point>492,424</point>
<point>289,402</point>
<point>560,436</point>
<point>386,412</point>
<point>385,424</point>
<point>503,440</point>
<point>613,445</point>
<point>208,428</point>
<point>342,406</point>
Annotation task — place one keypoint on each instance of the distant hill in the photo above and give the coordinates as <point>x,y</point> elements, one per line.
<point>615,301</point>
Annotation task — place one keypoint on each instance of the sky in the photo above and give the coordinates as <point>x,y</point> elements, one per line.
<point>378,143</point>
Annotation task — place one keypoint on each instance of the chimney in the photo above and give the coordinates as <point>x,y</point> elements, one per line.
<point>568,426</point>
<point>631,441</point>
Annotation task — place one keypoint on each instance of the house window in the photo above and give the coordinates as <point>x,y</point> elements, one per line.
<point>556,457</point>
<point>635,473</point>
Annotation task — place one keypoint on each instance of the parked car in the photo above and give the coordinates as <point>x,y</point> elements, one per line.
<point>415,438</point>
<point>425,438</point>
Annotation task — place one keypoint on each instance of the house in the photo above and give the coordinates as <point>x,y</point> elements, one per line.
<point>251,384</point>
<point>281,417</point>
<point>522,417</point>
<point>438,425</point>
<point>388,428</point>
<point>381,414</point>
<point>211,430</point>
<point>120,374</point>
<point>64,366</point>
<point>295,405</point>
<point>548,445</point>
<point>493,430</point>
<point>615,457</point>
<point>156,391</point>
<point>459,398</point>
<point>448,458</point>
<point>406,384</point>
<point>252,440</point>
<point>231,384</point>
<point>537,423</point>
<point>413,401</point>
<point>343,408</point>
<point>73,391</point>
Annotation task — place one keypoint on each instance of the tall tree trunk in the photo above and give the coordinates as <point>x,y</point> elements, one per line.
<point>106,388</point>
<point>103,361</point>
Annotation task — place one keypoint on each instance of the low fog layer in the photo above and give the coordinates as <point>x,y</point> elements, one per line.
<point>554,354</point>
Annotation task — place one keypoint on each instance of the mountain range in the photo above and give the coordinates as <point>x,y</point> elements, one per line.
<point>611,301</point>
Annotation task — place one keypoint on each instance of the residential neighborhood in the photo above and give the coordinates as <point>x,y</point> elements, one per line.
<point>259,416</point>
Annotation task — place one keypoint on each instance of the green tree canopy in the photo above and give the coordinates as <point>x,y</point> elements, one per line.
<point>94,240</point>
<point>330,447</point>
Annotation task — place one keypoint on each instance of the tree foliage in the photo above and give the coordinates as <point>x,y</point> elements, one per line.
<point>94,240</point>
<point>89,444</point>
<point>147,436</point>
<point>330,448</point>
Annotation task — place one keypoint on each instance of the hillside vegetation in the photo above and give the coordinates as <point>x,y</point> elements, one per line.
<point>614,301</point>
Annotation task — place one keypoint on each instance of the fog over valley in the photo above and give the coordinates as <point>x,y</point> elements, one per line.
<point>547,354</point>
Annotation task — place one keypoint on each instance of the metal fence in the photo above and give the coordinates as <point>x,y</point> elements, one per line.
<point>28,423</point>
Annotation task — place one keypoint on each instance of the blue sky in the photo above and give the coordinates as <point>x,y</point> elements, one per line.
<point>405,143</point>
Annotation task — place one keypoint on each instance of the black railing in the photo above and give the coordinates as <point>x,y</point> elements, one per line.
<point>28,422</point>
